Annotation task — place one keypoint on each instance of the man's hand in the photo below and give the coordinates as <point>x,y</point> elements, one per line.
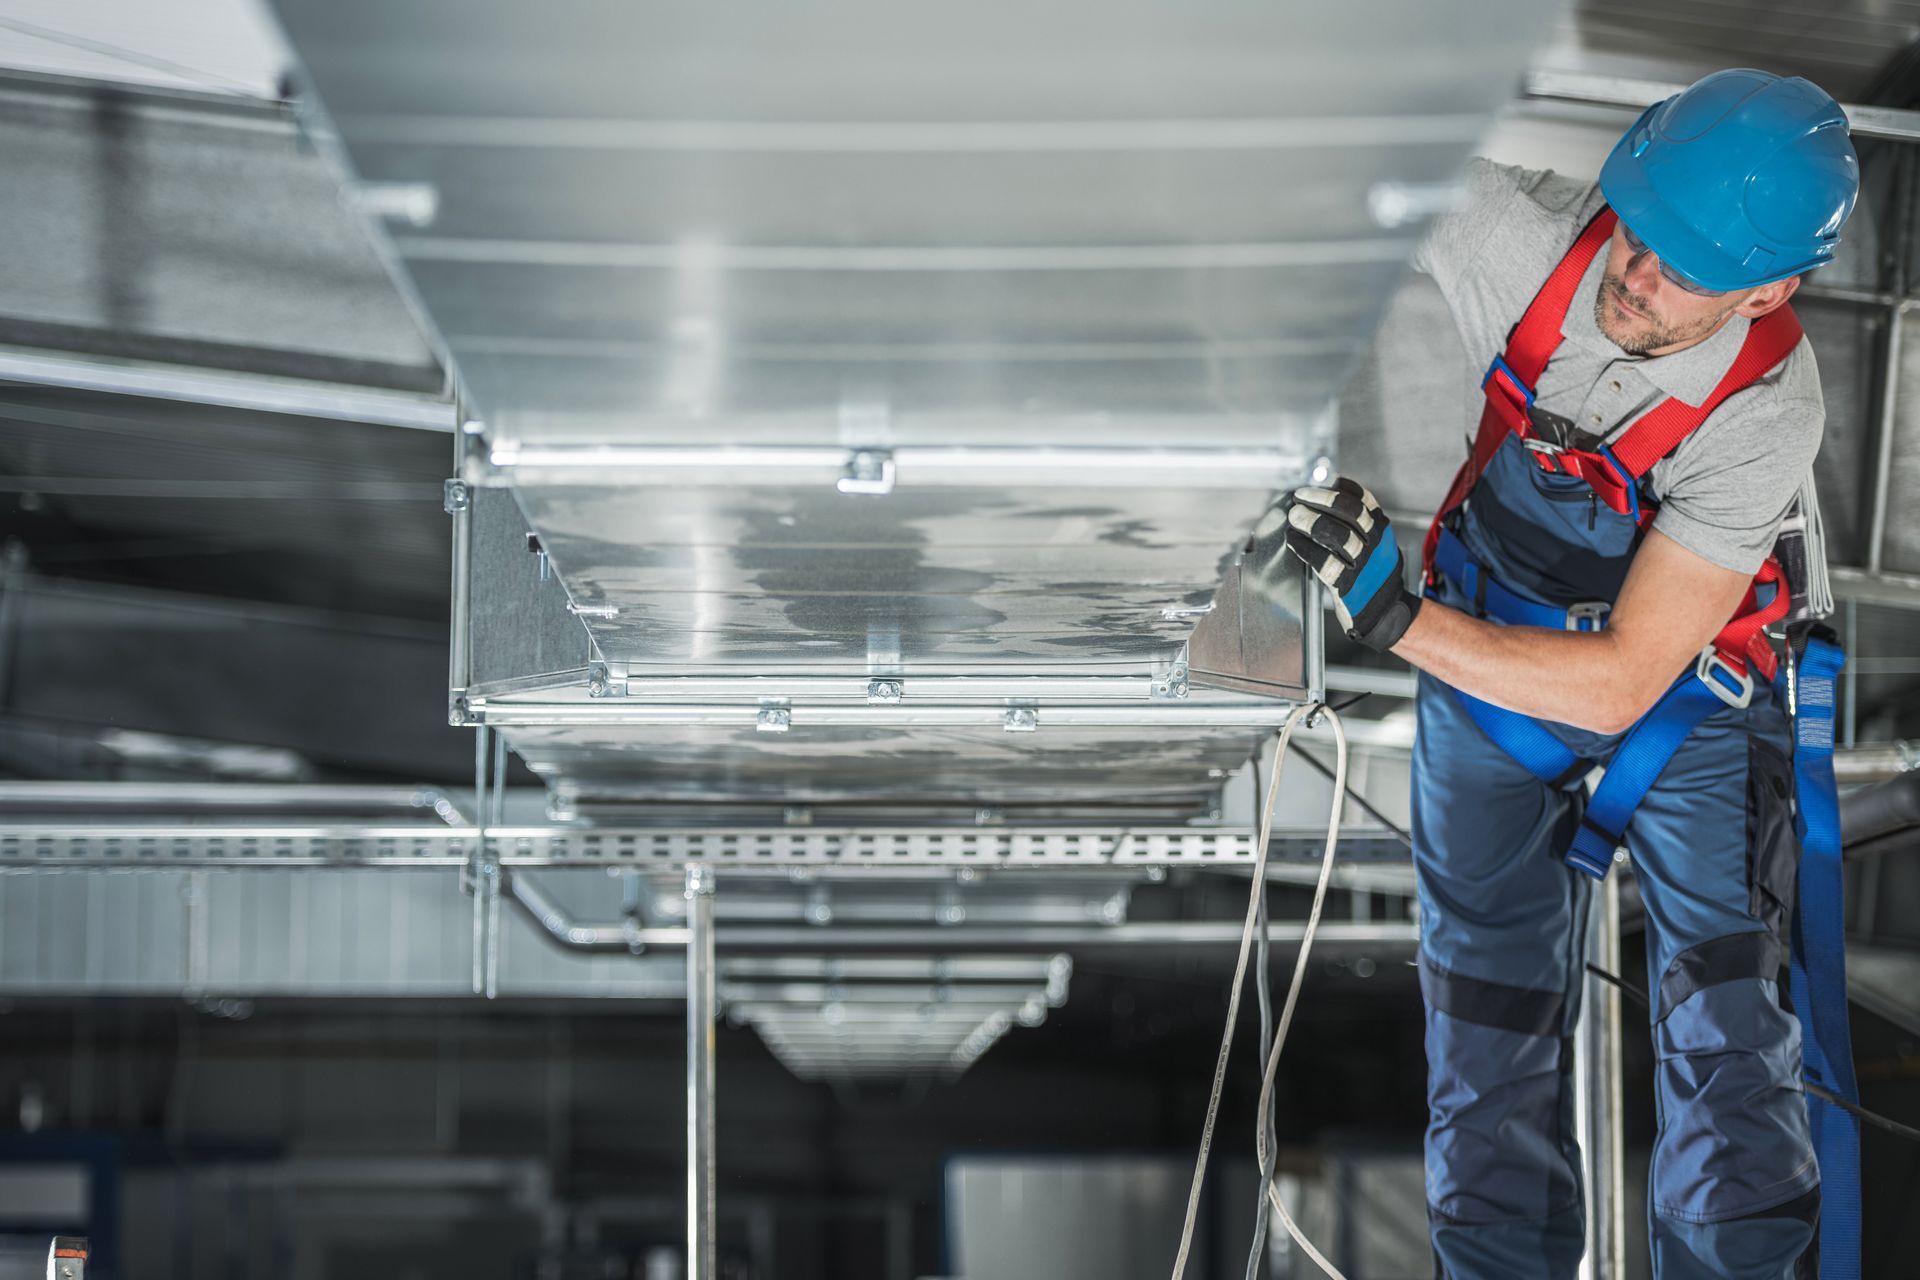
<point>1344,536</point>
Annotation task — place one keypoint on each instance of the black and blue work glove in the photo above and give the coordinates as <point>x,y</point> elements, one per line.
<point>1344,536</point>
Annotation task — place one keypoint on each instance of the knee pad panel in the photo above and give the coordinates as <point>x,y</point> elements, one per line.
<point>1733,1116</point>
<point>1499,1138</point>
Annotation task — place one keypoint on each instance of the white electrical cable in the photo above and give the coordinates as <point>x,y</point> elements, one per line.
<point>1293,991</point>
<point>1293,994</point>
<point>1819,583</point>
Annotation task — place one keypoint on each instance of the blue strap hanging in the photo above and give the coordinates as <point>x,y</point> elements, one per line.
<point>1819,967</point>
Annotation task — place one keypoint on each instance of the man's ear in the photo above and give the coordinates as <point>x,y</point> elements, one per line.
<point>1768,297</point>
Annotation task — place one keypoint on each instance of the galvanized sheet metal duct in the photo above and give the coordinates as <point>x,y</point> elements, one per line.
<point>906,343</point>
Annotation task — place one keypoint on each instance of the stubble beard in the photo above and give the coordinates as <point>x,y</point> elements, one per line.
<point>1637,342</point>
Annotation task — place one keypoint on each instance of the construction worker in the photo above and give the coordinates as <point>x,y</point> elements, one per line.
<point>1594,595</point>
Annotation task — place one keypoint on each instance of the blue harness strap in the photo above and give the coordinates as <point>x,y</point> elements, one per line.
<point>1819,965</point>
<point>1636,765</point>
<point>1637,762</point>
<point>1527,741</point>
<point>1451,558</point>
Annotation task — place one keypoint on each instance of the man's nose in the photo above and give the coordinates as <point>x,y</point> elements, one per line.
<point>1643,274</point>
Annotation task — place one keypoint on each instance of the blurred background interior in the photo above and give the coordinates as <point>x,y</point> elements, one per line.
<point>803,426</point>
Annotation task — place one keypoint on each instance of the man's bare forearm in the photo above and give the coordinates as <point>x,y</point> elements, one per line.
<point>1571,677</point>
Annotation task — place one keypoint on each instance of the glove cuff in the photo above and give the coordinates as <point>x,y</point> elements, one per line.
<point>1385,620</point>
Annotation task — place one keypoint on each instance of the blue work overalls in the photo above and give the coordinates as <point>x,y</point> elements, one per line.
<point>1734,1187</point>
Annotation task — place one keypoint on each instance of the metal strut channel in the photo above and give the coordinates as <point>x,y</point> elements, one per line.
<point>47,846</point>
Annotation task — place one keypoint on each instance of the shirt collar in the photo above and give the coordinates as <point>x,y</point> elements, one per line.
<point>1689,376</point>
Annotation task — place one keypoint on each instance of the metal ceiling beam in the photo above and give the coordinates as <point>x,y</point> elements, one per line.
<point>1637,95</point>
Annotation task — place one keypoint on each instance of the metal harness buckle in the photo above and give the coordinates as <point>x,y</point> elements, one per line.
<point>1729,683</point>
<point>1588,615</point>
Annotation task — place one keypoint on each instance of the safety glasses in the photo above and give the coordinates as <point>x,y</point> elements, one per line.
<point>1637,246</point>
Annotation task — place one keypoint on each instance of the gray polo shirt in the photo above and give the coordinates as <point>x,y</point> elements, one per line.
<point>1725,489</point>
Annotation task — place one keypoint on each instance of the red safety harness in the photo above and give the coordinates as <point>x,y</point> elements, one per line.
<point>1614,472</point>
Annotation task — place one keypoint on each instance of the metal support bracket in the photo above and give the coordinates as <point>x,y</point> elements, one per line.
<point>606,680</point>
<point>1171,687</point>
<point>869,472</point>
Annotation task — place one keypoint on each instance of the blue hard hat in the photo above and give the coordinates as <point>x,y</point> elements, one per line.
<point>1740,179</point>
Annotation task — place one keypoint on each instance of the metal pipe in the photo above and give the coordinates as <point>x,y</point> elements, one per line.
<point>1313,640</point>
<point>497,789</point>
<point>701,1253</point>
<point>1883,441</point>
<point>476,861</point>
<point>1842,295</point>
<point>1876,762</point>
<point>1894,590</point>
<point>1600,1085</point>
<point>491,874</point>
<point>558,924</point>
<point>264,393</point>
<point>220,800</point>
<point>1387,683</point>
<point>813,939</point>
